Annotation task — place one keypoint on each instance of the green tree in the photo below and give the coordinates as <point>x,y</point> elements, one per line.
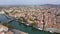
<point>8,25</point>
<point>33,24</point>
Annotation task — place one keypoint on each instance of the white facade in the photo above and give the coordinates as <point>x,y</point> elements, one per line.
<point>3,28</point>
<point>2,12</point>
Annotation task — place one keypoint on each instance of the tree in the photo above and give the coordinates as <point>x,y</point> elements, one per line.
<point>6,13</point>
<point>8,25</point>
<point>33,24</point>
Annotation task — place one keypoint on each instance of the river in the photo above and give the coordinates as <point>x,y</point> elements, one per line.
<point>23,27</point>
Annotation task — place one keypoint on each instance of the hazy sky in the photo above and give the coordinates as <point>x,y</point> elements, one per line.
<point>28,2</point>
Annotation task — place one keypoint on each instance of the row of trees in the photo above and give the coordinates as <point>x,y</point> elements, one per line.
<point>8,25</point>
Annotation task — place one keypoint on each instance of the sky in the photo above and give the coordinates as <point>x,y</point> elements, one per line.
<point>28,2</point>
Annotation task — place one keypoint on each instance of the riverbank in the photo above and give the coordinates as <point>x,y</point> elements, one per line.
<point>52,30</point>
<point>28,29</point>
<point>25,28</point>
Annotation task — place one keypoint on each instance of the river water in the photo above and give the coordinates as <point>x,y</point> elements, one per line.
<point>22,27</point>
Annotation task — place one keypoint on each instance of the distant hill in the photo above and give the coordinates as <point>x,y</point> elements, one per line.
<point>45,5</point>
<point>51,5</point>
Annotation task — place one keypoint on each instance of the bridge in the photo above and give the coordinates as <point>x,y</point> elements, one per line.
<point>9,17</point>
<point>11,21</point>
